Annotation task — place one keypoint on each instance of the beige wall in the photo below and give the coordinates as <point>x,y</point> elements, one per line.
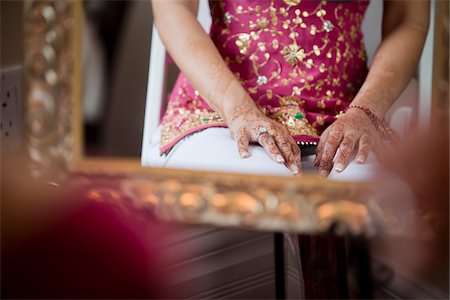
<point>11,41</point>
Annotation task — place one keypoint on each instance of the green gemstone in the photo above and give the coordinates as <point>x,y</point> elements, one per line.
<point>298,116</point>
<point>204,119</point>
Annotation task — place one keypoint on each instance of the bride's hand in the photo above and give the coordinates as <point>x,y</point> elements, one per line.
<point>247,124</point>
<point>351,130</point>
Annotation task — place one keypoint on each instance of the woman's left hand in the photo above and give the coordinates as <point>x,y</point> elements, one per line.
<point>353,129</point>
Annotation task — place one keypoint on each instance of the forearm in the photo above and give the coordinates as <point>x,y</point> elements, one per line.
<point>197,57</point>
<point>393,66</point>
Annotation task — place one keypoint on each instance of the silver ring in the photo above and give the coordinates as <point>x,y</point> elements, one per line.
<point>262,130</point>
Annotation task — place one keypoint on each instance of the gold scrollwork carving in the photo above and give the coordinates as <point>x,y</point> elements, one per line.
<point>309,207</point>
<point>49,75</point>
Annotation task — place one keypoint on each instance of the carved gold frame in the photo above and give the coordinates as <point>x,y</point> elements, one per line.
<point>54,148</point>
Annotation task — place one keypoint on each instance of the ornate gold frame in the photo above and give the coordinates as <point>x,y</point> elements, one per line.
<point>54,147</point>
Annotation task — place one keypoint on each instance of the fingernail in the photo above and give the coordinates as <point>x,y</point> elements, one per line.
<point>339,167</point>
<point>245,154</point>
<point>323,173</point>
<point>294,169</point>
<point>279,158</point>
<point>360,159</point>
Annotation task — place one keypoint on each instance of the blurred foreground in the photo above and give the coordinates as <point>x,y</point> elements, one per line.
<point>61,242</point>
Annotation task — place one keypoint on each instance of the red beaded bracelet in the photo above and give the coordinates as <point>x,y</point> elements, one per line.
<point>381,125</point>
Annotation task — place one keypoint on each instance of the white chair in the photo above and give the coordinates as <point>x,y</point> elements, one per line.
<point>416,97</point>
<point>156,79</point>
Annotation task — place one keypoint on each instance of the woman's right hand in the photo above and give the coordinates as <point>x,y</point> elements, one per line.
<point>247,124</point>
<point>198,58</point>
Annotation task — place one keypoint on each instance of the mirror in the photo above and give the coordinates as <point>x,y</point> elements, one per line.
<point>117,46</point>
<point>306,206</point>
<point>108,56</point>
<point>53,71</point>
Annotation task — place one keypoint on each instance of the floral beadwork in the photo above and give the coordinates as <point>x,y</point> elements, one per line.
<point>293,53</point>
<point>302,62</point>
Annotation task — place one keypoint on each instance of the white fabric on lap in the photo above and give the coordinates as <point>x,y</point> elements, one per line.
<point>358,172</point>
<point>213,149</point>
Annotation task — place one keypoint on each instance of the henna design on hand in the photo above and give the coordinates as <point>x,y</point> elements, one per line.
<point>326,162</point>
<point>287,146</point>
<point>290,151</point>
<point>345,150</point>
<point>353,128</point>
<point>246,111</point>
<point>242,142</point>
<point>267,141</point>
<point>365,145</point>
<point>321,146</point>
<point>331,145</point>
<point>278,143</point>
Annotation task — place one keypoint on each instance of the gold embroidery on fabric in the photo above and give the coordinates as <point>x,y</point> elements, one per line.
<point>317,22</point>
<point>292,2</point>
<point>243,42</point>
<point>295,121</point>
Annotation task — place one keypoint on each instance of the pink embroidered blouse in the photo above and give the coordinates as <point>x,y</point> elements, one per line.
<point>302,62</point>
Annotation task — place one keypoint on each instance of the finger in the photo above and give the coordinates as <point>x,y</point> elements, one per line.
<point>290,152</point>
<point>320,147</point>
<point>242,142</point>
<point>345,150</point>
<point>267,141</point>
<point>365,145</point>
<point>323,140</point>
<point>296,158</point>
<point>331,146</point>
<point>296,164</point>
<point>288,148</point>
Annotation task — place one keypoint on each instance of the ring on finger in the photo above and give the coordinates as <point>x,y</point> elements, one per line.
<point>261,131</point>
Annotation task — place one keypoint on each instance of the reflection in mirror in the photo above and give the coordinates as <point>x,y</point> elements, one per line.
<point>291,83</point>
<point>116,46</point>
<point>299,87</point>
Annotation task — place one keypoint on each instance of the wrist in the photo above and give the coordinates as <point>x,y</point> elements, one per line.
<point>232,103</point>
<point>380,124</point>
<point>374,109</point>
<point>358,113</point>
<point>362,109</point>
